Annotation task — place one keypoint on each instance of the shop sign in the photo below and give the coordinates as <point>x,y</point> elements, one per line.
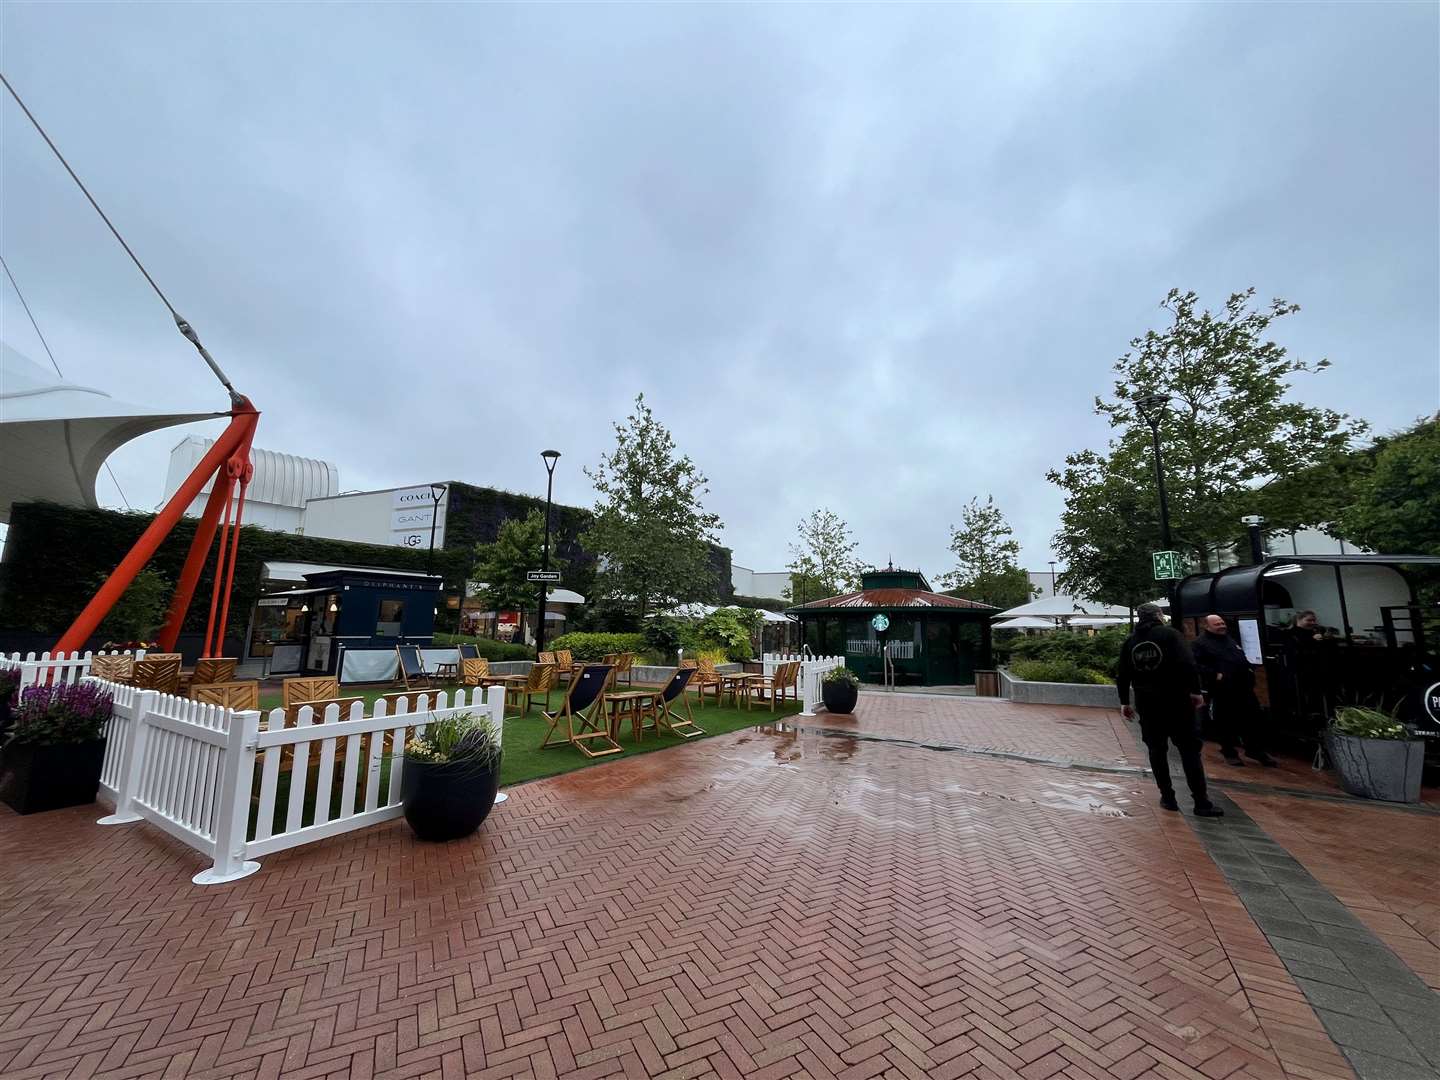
<point>881,622</point>
<point>1432,704</point>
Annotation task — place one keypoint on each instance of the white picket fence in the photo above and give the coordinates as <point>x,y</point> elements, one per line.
<point>190,769</point>
<point>63,668</point>
<point>812,669</point>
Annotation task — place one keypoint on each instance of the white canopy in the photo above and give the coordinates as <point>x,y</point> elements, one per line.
<point>699,611</point>
<point>55,435</point>
<point>1063,607</point>
<point>1024,622</point>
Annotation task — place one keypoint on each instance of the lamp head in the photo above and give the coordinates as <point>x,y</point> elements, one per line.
<point>437,491</point>
<point>550,457</point>
<point>1152,406</point>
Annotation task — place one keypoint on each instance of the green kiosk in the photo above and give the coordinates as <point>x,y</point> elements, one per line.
<point>933,639</point>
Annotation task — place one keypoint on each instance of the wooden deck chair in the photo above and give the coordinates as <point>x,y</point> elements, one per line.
<point>584,714</point>
<point>538,684</point>
<point>412,671</point>
<point>308,688</point>
<point>158,672</point>
<point>667,717</point>
<point>625,665</point>
<point>239,695</point>
<point>120,669</point>
<point>545,658</point>
<point>209,670</point>
<point>775,687</point>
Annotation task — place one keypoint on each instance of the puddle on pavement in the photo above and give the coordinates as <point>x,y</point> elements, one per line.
<point>1090,797</point>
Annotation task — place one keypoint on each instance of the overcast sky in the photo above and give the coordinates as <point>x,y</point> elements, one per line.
<point>878,259</point>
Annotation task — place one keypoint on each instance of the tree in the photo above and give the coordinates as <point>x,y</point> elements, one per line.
<point>502,565</point>
<point>986,554</point>
<point>1229,432</point>
<point>1395,503</point>
<point>652,536</point>
<point>823,561</point>
<point>141,609</point>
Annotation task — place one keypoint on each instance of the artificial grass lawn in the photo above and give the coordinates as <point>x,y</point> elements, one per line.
<point>524,760</point>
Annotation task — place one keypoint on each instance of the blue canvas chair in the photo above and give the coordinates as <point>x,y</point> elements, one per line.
<point>584,715</point>
<point>412,667</point>
<point>666,715</point>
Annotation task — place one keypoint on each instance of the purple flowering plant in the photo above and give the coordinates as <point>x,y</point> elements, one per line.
<point>61,713</point>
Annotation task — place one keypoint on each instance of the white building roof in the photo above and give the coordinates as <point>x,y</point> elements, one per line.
<point>55,435</point>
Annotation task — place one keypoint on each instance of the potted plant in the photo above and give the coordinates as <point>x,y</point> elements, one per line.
<point>56,747</point>
<point>840,689</point>
<point>9,686</point>
<point>1376,756</point>
<point>451,776</point>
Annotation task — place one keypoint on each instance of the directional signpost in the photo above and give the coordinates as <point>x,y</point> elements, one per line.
<point>1168,565</point>
<point>551,577</point>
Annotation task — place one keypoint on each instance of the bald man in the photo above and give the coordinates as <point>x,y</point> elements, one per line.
<point>1227,676</point>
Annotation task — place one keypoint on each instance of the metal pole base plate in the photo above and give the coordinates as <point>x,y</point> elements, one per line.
<point>210,877</point>
<point>119,819</point>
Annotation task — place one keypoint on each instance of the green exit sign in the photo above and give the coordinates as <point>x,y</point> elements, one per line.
<point>1168,565</point>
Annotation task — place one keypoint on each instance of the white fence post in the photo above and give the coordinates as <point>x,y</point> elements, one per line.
<point>237,774</point>
<point>495,716</point>
<point>134,753</point>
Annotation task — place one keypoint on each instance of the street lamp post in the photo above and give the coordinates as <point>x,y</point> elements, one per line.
<point>1152,409</point>
<point>1053,590</point>
<point>437,492</point>
<point>550,457</point>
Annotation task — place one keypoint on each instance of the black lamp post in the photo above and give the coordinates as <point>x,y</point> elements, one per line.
<point>437,492</point>
<point>1152,410</point>
<point>1053,590</point>
<point>550,457</point>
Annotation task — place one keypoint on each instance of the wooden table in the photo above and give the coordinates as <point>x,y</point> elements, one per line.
<point>736,684</point>
<point>635,704</point>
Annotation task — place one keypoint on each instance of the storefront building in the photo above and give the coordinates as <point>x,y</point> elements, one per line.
<point>932,639</point>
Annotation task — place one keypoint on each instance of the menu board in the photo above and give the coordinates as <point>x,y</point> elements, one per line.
<point>1250,641</point>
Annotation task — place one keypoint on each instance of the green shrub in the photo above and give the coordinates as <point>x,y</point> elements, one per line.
<point>489,648</point>
<point>729,629</point>
<point>839,675</point>
<point>1061,671</point>
<point>1093,652</point>
<point>593,646</point>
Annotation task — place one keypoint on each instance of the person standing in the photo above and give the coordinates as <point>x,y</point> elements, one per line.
<point>1157,663</point>
<point>1226,674</point>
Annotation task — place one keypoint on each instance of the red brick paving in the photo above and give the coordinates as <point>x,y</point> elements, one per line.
<point>760,905</point>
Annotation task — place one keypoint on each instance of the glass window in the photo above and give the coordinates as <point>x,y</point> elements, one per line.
<point>392,614</point>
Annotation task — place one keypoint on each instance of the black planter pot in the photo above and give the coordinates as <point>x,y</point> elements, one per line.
<point>446,802</point>
<point>839,697</point>
<point>35,778</point>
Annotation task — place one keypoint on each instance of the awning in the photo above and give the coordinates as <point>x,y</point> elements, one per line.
<point>1025,622</point>
<point>55,435</point>
<point>296,571</point>
<point>1063,607</point>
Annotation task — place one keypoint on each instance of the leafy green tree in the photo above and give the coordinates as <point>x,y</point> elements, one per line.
<point>1395,503</point>
<point>1228,433</point>
<point>987,557</point>
<point>823,560</point>
<point>141,609</point>
<point>502,565</point>
<point>652,535</point>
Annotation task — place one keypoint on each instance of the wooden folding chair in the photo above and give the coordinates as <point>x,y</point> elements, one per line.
<point>239,695</point>
<point>158,671</point>
<point>209,670</point>
<point>308,688</point>
<point>584,714</point>
<point>538,683</point>
<point>783,682</point>
<point>120,669</point>
<point>625,665</point>
<point>565,666</point>
<point>666,716</point>
<point>412,667</point>
<point>705,675</point>
<point>545,658</point>
<point>474,670</point>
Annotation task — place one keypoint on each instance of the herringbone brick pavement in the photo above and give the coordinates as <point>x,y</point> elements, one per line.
<point>764,905</point>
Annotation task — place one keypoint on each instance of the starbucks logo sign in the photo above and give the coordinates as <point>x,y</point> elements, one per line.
<point>881,622</point>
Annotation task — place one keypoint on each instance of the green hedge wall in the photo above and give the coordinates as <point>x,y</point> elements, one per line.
<point>54,554</point>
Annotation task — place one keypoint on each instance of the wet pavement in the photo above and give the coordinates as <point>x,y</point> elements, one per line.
<point>937,887</point>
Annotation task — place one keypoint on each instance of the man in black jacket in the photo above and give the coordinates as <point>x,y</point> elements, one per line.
<point>1157,663</point>
<point>1230,680</point>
